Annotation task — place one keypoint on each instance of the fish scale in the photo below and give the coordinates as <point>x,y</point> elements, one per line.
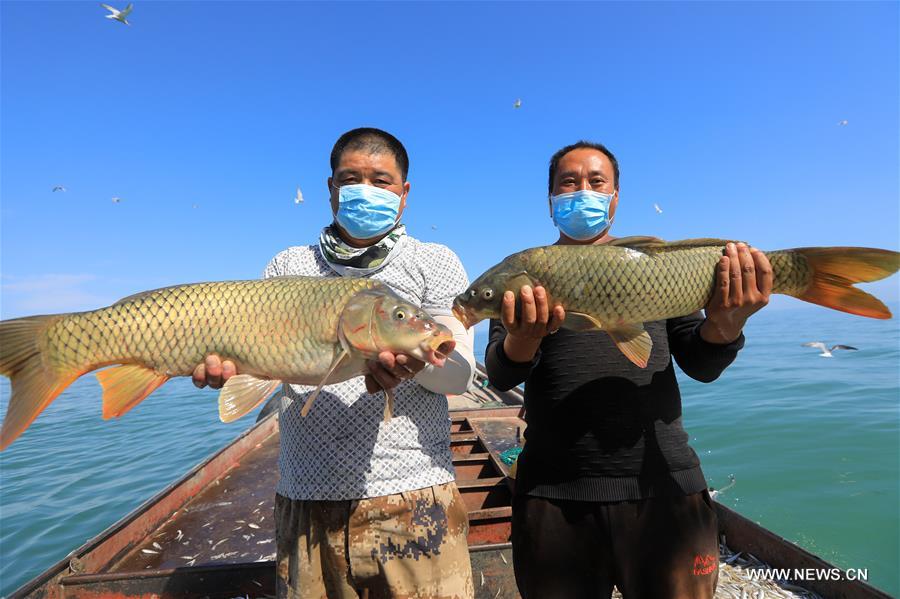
<point>159,329</point>
<point>624,285</point>
<point>617,286</point>
<point>302,330</point>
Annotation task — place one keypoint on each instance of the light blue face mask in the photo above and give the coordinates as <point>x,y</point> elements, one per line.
<point>581,215</point>
<point>366,211</point>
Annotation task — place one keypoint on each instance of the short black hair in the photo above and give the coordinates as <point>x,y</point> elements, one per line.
<point>554,160</point>
<point>373,141</point>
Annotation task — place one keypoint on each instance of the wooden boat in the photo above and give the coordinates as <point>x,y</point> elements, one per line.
<point>211,533</point>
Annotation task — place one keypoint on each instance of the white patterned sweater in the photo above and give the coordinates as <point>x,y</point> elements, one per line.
<point>343,449</point>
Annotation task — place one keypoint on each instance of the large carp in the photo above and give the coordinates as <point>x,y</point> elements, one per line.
<point>617,286</point>
<point>303,330</point>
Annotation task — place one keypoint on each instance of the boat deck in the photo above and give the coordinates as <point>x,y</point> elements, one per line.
<point>231,521</point>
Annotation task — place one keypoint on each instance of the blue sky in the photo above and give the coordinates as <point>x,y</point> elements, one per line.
<point>725,114</point>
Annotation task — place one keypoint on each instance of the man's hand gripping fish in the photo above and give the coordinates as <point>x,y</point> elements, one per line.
<point>301,330</point>
<point>617,286</point>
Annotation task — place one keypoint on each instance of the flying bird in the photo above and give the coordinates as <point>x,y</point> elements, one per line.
<point>714,493</point>
<point>826,353</point>
<point>116,199</point>
<point>517,103</point>
<point>59,188</point>
<point>843,123</point>
<point>298,199</point>
<point>118,15</point>
<point>657,208</point>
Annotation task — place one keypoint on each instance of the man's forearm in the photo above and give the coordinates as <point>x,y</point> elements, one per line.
<point>503,372</point>
<point>698,357</point>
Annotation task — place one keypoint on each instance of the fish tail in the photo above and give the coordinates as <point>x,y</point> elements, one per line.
<point>832,272</point>
<point>34,386</point>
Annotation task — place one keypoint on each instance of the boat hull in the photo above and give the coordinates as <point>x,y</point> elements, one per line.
<point>221,514</point>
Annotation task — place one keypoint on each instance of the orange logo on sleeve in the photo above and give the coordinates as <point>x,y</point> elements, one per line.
<point>705,564</point>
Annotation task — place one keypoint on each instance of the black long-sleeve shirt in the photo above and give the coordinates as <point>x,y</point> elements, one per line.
<point>599,427</point>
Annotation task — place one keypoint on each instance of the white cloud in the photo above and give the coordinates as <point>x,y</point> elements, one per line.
<point>48,294</point>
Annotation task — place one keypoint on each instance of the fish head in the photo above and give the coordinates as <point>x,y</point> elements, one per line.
<point>377,320</point>
<point>484,297</point>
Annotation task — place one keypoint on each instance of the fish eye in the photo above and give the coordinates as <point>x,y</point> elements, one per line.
<point>487,293</point>
<point>473,292</point>
<point>399,314</point>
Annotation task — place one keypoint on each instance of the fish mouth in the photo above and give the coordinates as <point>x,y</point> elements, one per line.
<point>462,315</point>
<point>438,347</point>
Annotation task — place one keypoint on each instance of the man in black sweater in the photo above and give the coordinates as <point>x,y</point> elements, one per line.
<point>608,492</point>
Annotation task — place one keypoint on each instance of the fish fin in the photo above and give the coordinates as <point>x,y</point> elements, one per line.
<point>655,244</point>
<point>126,386</point>
<point>131,297</point>
<point>141,294</point>
<point>836,269</point>
<point>579,321</point>
<point>33,385</point>
<point>388,404</point>
<point>702,242</point>
<point>636,241</point>
<point>334,366</point>
<point>633,341</point>
<point>242,393</point>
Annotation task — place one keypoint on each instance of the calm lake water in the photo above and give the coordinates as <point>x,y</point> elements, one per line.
<point>814,444</point>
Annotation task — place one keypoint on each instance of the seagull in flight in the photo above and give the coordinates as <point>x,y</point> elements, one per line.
<point>714,493</point>
<point>116,199</point>
<point>826,353</point>
<point>298,199</point>
<point>59,188</point>
<point>843,123</point>
<point>657,208</point>
<point>118,15</point>
<point>517,103</point>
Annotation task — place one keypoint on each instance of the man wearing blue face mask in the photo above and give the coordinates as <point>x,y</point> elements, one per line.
<point>367,507</point>
<point>608,491</point>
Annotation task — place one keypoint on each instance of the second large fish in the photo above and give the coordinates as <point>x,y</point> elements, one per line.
<point>617,286</point>
<point>302,330</point>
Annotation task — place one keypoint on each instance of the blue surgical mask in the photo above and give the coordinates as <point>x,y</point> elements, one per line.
<point>581,215</point>
<point>365,211</point>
